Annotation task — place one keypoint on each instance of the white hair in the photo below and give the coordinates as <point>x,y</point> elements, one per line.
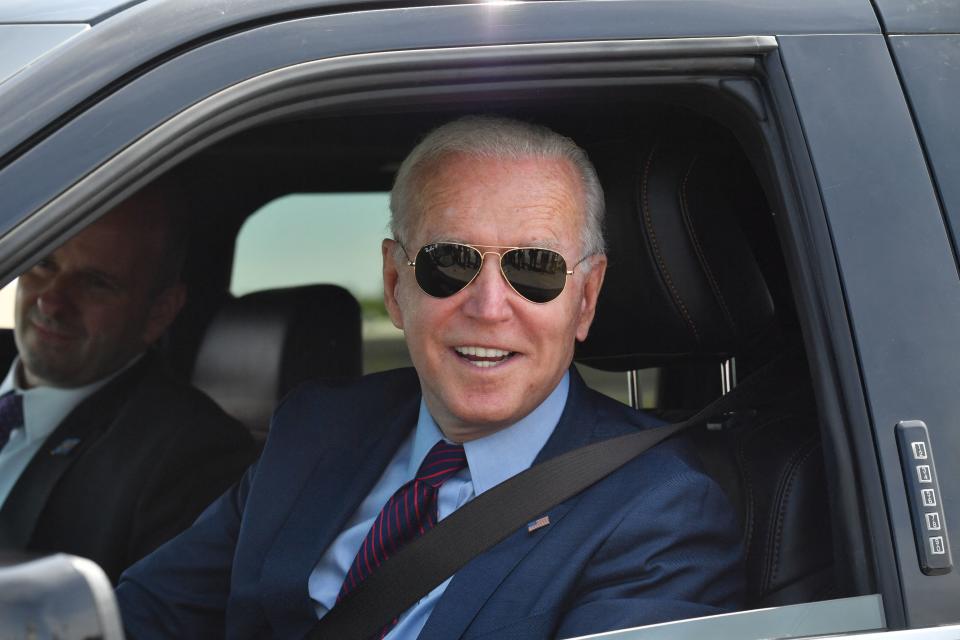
<point>495,137</point>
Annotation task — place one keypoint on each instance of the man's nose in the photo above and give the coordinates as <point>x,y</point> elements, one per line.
<point>489,295</point>
<point>54,298</point>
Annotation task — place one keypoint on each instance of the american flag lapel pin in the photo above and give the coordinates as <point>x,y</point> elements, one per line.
<point>65,447</point>
<point>539,523</point>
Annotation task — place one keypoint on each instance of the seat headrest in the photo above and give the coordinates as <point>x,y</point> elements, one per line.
<point>682,281</point>
<point>261,345</point>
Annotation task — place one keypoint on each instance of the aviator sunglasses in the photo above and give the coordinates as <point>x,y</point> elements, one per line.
<point>444,268</point>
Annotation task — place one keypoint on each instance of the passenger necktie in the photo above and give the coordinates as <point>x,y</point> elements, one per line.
<point>406,515</point>
<point>11,415</point>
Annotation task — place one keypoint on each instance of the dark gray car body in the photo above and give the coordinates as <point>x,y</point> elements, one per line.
<point>863,95</point>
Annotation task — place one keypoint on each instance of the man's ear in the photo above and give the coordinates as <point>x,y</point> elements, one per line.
<point>163,310</point>
<point>391,281</point>
<point>593,281</point>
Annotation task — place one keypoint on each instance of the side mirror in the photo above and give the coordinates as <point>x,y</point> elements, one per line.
<point>58,596</point>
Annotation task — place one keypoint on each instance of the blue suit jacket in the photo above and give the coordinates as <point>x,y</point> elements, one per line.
<point>654,541</point>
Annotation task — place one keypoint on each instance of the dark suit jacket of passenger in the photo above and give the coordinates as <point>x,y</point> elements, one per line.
<point>131,466</point>
<point>654,541</point>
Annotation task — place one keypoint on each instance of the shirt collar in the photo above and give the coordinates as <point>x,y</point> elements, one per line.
<point>504,453</point>
<point>44,408</point>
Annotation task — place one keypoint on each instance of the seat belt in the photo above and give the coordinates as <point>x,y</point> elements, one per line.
<point>425,562</point>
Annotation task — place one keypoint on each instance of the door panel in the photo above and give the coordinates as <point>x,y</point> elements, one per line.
<point>897,268</point>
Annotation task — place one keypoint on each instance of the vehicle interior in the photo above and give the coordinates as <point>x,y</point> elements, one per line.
<point>697,296</point>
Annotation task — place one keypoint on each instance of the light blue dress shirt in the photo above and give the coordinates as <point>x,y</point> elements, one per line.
<point>44,408</point>
<point>490,461</point>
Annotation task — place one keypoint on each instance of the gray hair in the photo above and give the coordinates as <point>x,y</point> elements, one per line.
<point>496,137</point>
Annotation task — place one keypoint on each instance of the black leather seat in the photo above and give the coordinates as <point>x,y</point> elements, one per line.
<point>688,286</point>
<point>261,345</point>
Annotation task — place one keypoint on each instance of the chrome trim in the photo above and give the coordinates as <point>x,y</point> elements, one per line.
<point>728,375</point>
<point>634,390</point>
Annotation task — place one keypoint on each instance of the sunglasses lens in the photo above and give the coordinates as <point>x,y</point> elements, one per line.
<point>537,274</point>
<point>442,269</point>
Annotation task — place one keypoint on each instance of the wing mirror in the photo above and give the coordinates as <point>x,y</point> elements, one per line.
<point>58,596</point>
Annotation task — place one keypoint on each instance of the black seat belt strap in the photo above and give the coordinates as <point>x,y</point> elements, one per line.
<point>404,578</point>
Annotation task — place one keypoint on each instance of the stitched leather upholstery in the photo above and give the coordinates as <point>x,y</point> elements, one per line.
<point>771,464</point>
<point>685,286</point>
<point>682,282</point>
<point>261,345</point>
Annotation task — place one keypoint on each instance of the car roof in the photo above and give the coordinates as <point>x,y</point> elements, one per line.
<point>61,11</point>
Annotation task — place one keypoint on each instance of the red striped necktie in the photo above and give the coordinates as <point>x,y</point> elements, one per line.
<point>407,514</point>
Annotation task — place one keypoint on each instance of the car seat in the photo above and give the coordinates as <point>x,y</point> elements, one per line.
<point>687,288</point>
<point>259,346</point>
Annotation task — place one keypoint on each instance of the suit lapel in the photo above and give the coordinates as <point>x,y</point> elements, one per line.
<point>65,445</point>
<point>325,503</point>
<point>473,585</point>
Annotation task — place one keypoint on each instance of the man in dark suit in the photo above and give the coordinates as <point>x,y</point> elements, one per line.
<point>493,274</point>
<point>102,453</point>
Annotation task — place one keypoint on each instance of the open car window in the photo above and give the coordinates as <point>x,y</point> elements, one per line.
<point>293,204</point>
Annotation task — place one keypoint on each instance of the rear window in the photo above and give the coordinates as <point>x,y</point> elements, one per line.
<point>319,237</point>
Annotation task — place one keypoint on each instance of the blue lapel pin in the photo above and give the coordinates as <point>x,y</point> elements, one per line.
<point>539,523</point>
<point>65,447</point>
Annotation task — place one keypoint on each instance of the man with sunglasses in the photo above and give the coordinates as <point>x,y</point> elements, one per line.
<point>493,273</point>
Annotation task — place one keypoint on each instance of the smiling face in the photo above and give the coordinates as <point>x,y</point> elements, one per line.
<point>90,306</point>
<point>487,357</point>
